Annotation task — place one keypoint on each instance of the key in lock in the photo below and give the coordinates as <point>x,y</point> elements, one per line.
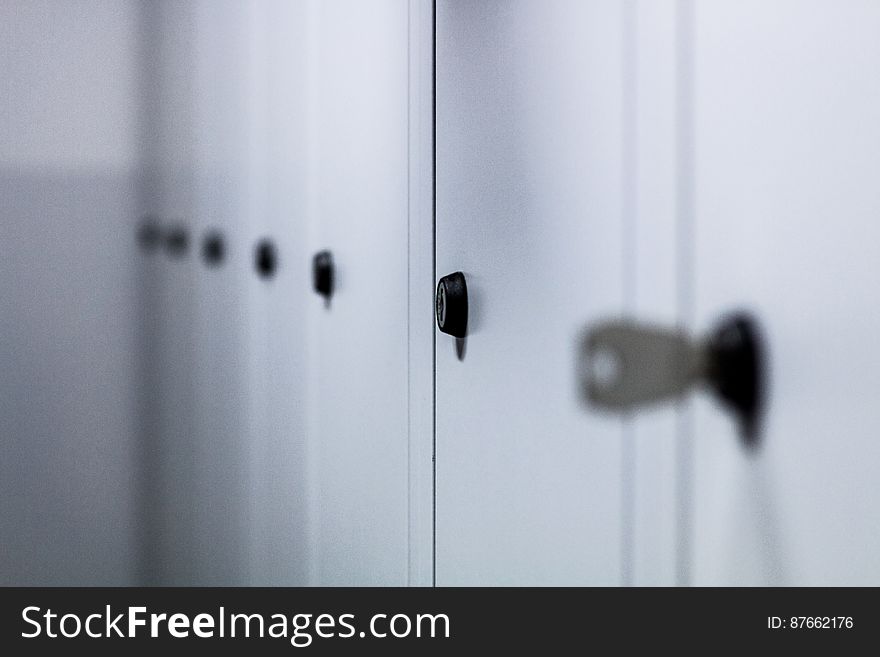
<point>626,365</point>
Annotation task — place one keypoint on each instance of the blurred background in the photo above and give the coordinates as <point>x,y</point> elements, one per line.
<point>154,399</point>
<point>183,401</point>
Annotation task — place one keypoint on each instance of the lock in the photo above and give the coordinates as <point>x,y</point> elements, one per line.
<point>149,234</point>
<point>177,240</point>
<point>452,305</point>
<point>628,365</point>
<point>265,258</point>
<point>213,248</point>
<point>323,274</point>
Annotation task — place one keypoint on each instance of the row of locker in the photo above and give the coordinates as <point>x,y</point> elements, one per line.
<point>569,190</point>
<point>596,168</point>
<point>283,426</point>
<point>175,242</point>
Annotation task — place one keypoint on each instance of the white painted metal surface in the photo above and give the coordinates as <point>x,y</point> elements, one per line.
<point>175,509</point>
<point>529,206</point>
<point>283,423</point>
<point>358,205</point>
<point>786,158</point>
<point>251,429</point>
<point>225,351</point>
<point>652,277</point>
<point>166,422</point>
<point>69,183</point>
<point>420,271</point>
<point>260,123</point>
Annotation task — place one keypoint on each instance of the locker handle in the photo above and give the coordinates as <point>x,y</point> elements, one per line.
<point>451,305</point>
<point>323,274</point>
<point>628,365</point>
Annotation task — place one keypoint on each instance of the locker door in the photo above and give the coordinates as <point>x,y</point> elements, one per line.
<point>786,158</point>
<point>277,446</point>
<point>250,488</point>
<point>224,429</point>
<point>357,207</point>
<point>529,107</point>
<point>221,435</point>
<point>653,279</point>
<point>174,510</point>
<point>70,275</point>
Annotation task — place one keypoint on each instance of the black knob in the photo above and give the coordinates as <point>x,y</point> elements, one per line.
<point>149,234</point>
<point>737,371</point>
<point>322,274</point>
<point>213,248</point>
<point>266,258</point>
<point>177,241</point>
<point>452,305</point>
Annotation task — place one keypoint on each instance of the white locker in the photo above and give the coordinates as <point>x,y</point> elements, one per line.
<point>226,494</point>
<point>786,154</point>
<point>530,203</point>
<point>277,151</point>
<point>169,420</point>
<point>357,204</point>
<point>653,278</point>
<point>669,162</point>
<point>169,149</point>
<point>219,57</point>
<point>283,421</point>
<point>70,182</point>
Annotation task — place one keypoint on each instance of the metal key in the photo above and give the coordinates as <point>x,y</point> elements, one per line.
<point>626,365</point>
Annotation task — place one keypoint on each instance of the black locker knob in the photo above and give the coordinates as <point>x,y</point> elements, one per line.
<point>213,248</point>
<point>736,370</point>
<point>177,240</point>
<point>266,258</point>
<point>452,305</point>
<point>323,274</point>
<point>149,234</point>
